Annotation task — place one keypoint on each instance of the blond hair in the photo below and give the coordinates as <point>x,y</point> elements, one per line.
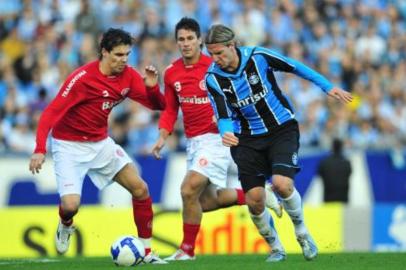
<point>219,33</point>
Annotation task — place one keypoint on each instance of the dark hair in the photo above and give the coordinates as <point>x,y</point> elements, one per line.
<point>337,146</point>
<point>188,24</point>
<point>114,37</point>
<point>219,33</point>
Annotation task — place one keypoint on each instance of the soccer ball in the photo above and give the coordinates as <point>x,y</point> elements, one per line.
<point>127,251</point>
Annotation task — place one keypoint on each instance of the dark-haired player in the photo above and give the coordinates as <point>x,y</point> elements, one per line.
<point>80,143</point>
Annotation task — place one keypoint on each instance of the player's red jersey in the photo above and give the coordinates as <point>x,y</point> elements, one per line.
<point>80,110</point>
<point>185,87</point>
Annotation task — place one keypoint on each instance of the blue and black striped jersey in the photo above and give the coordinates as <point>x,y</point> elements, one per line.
<point>249,100</point>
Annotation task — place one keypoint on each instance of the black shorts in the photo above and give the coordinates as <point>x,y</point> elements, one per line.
<point>260,157</point>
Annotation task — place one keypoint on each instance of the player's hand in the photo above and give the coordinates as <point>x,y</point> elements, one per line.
<point>151,76</point>
<point>229,139</point>
<point>36,162</point>
<point>340,95</point>
<point>156,149</point>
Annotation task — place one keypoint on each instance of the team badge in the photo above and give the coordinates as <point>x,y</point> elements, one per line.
<point>294,159</point>
<point>202,85</point>
<point>253,79</point>
<point>119,153</point>
<point>203,162</point>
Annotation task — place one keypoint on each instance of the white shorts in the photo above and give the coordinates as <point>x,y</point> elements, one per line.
<point>208,156</point>
<point>73,160</point>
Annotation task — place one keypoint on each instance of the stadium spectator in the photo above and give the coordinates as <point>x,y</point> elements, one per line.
<point>335,171</point>
<point>80,143</point>
<point>205,186</point>
<point>257,121</point>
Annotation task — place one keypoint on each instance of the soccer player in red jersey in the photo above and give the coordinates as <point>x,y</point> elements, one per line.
<point>80,143</point>
<point>204,186</point>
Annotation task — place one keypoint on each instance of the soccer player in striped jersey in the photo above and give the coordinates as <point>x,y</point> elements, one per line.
<point>258,122</point>
<point>205,186</point>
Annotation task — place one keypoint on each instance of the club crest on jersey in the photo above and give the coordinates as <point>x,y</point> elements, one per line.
<point>177,86</point>
<point>294,158</point>
<point>202,85</point>
<point>119,153</point>
<point>124,92</point>
<point>203,162</point>
<point>253,79</point>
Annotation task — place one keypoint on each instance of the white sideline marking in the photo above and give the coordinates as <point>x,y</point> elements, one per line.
<point>23,261</point>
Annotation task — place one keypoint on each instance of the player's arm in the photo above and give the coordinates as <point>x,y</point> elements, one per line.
<point>167,119</point>
<point>146,90</point>
<point>67,97</point>
<point>222,112</point>
<point>279,62</point>
<point>160,143</point>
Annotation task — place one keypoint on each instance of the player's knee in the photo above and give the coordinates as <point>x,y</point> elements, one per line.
<point>188,193</point>
<point>255,201</point>
<point>282,185</point>
<point>141,191</point>
<point>69,209</point>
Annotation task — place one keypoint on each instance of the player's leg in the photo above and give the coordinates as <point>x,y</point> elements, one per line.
<point>252,168</point>
<point>255,198</point>
<point>283,154</point>
<point>292,203</point>
<point>214,198</point>
<point>113,163</point>
<point>271,201</point>
<point>192,187</point>
<point>68,208</point>
<point>129,178</point>
<point>70,173</point>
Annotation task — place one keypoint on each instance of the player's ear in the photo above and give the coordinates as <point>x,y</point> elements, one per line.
<point>104,52</point>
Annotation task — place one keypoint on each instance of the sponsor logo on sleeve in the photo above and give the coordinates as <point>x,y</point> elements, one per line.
<point>72,83</point>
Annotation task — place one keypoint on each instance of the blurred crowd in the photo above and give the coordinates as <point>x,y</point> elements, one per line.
<point>358,44</point>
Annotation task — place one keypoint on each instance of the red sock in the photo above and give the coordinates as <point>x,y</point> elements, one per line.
<point>240,197</point>
<point>66,219</point>
<point>190,232</point>
<point>142,210</point>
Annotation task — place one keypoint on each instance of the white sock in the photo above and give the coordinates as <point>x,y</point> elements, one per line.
<point>146,242</point>
<point>293,206</point>
<point>265,226</point>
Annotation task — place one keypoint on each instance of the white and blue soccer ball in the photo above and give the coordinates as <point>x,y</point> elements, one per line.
<point>127,251</point>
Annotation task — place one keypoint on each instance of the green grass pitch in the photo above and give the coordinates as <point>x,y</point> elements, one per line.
<point>351,261</point>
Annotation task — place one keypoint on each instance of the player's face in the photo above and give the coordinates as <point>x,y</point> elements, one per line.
<point>225,56</point>
<point>188,44</point>
<point>117,58</point>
